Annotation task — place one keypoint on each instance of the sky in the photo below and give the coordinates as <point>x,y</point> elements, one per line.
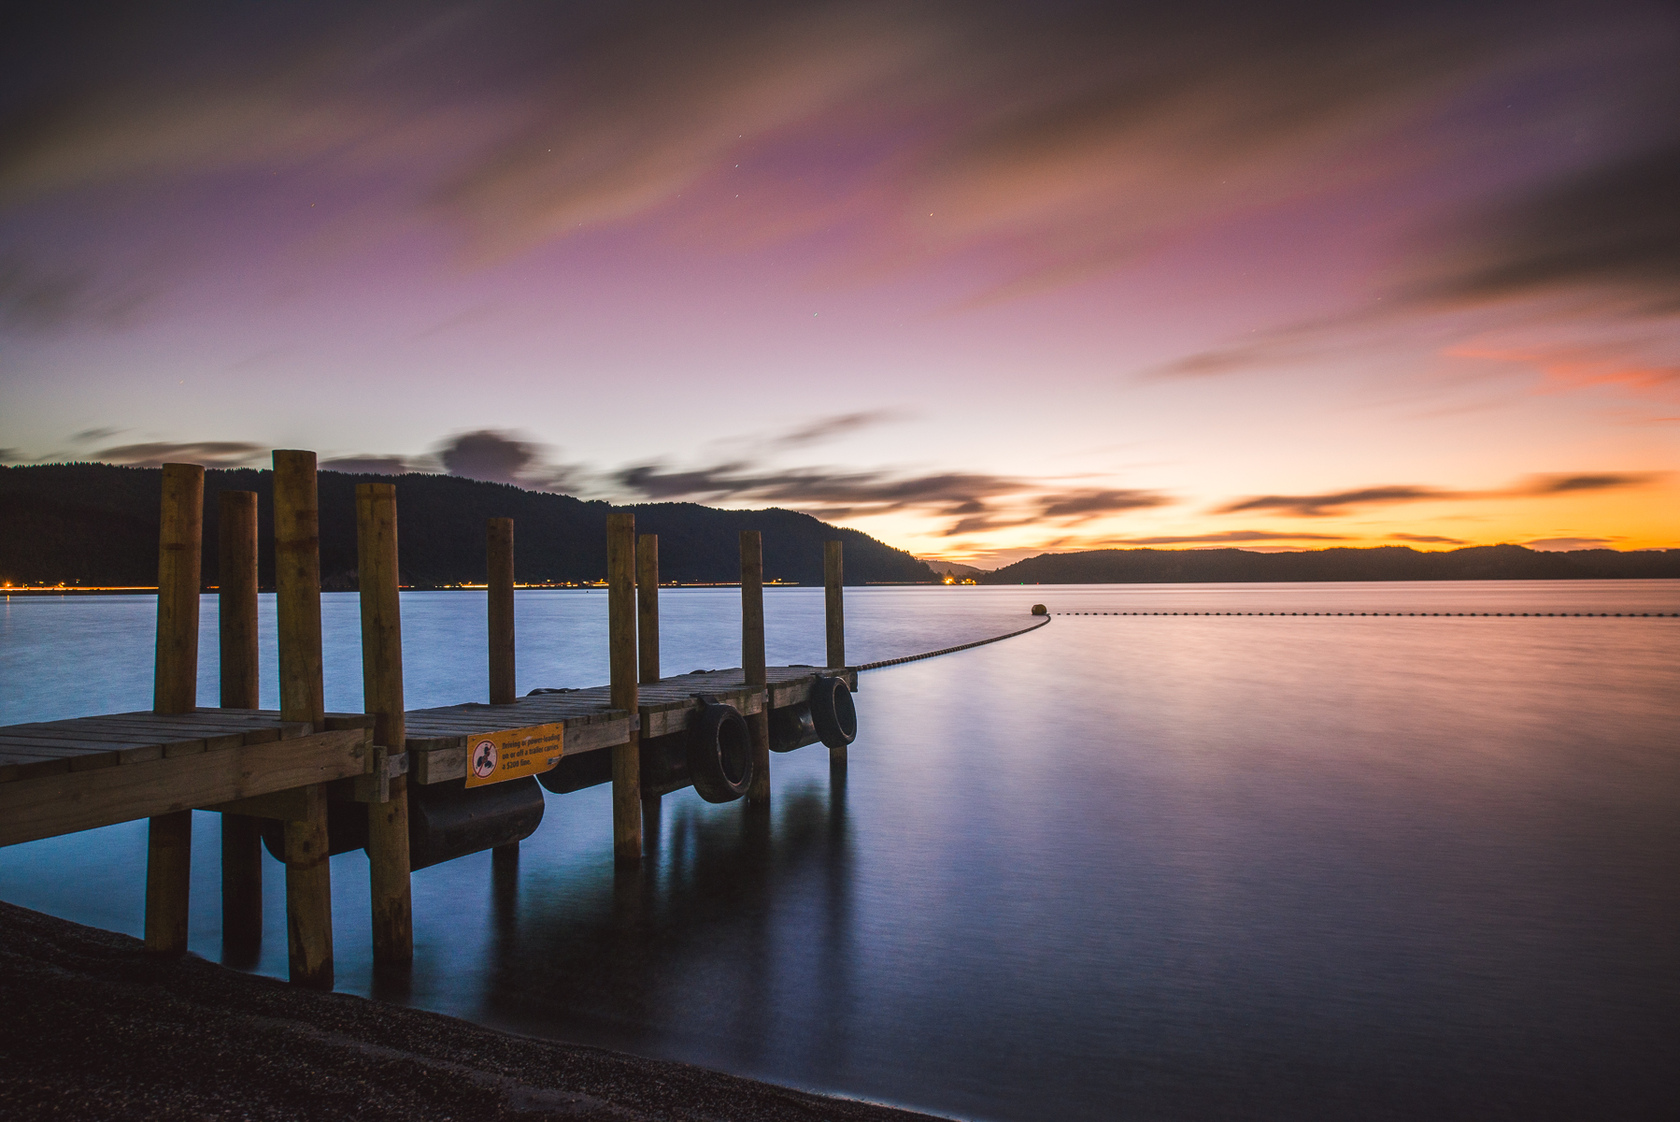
<point>981,279</point>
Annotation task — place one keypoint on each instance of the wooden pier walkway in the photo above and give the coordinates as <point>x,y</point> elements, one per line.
<point>304,779</point>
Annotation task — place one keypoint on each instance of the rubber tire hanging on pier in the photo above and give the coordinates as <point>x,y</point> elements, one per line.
<point>720,763</point>
<point>792,727</point>
<point>833,711</point>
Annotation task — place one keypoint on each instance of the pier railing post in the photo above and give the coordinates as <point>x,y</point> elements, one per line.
<point>236,611</point>
<point>835,614</point>
<point>752,660</point>
<point>175,690</point>
<point>621,626</point>
<point>297,579</point>
<point>499,549</point>
<point>382,692</point>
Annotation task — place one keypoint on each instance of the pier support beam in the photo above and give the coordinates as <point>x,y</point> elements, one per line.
<point>752,660</point>
<point>175,690</point>
<point>621,627</point>
<point>297,578</point>
<point>835,614</point>
<point>382,691</point>
<point>236,611</point>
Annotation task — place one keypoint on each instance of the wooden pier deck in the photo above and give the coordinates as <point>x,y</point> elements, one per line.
<point>58,777</point>
<point>437,739</point>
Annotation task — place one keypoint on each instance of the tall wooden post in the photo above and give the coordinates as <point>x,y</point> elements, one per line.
<point>382,691</point>
<point>835,614</point>
<point>752,659</point>
<point>236,611</point>
<point>175,690</point>
<point>647,655</point>
<point>297,578</point>
<point>621,626</point>
<point>834,604</point>
<point>647,607</point>
<point>500,549</point>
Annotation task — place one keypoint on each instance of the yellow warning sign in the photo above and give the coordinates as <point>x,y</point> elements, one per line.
<point>496,757</point>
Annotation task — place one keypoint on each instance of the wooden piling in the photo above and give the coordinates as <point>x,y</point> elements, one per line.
<point>500,579</point>
<point>297,582</point>
<point>835,613</point>
<point>621,626</point>
<point>382,691</point>
<point>647,656</point>
<point>752,659</point>
<point>834,604</point>
<point>236,611</point>
<point>175,690</point>
<point>297,578</point>
<point>180,537</point>
<point>647,607</point>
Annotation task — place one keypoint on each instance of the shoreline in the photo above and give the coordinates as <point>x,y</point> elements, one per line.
<point>96,1028</point>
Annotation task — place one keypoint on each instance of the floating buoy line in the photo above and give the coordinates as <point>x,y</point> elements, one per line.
<point>1522,615</point>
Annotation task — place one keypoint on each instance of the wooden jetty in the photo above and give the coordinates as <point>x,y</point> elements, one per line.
<point>301,777</point>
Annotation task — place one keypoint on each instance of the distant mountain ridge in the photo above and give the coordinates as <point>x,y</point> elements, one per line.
<point>1386,562</point>
<point>97,524</point>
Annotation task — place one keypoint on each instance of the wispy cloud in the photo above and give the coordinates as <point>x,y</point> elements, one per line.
<point>1559,544</point>
<point>374,465</point>
<point>207,453</point>
<point>1225,537</point>
<point>1082,506</point>
<point>1338,502</point>
<point>1613,225</point>
<point>1335,503</point>
<point>1427,539</point>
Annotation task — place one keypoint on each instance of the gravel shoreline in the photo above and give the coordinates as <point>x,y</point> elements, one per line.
<point>91,1027</point>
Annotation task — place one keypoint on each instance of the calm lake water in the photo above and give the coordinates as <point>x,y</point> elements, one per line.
<point>1139,866</point>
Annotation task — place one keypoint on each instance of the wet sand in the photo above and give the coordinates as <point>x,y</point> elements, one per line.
<point>91,1027</point>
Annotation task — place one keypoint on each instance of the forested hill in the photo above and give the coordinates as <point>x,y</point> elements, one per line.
<point>95,524</point>
<point>1389,562</point>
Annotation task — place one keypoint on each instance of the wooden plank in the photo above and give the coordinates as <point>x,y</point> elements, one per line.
<point>16,766</point>
<point>336,721</point>
<point>124,747</point>
<point>48,805</point>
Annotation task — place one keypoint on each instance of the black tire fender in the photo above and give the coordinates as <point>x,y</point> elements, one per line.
<point>833,711</point>
<point>720,760</point>
<point>792,727</point>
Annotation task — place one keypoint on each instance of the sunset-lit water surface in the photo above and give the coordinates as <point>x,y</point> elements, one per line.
<point>1140,866</point>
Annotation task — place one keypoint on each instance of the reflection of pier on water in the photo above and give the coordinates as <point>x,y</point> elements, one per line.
<point>688,941</point>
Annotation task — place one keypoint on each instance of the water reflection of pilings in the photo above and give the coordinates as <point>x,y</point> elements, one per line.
<point>698,936</point>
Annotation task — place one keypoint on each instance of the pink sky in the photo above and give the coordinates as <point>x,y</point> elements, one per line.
<point>981,280</point>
